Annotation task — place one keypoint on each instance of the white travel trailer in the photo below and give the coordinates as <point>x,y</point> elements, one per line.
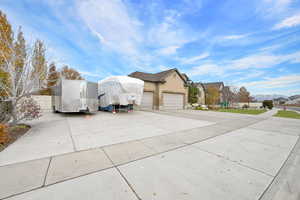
<point>118,93</point>
<point>75,96</point>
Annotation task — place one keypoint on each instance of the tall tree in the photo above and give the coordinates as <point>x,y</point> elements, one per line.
<point>39,63</point>
<point>193,93</point>
<point>234,91</point>
<point>20,56</point>
<point>244,95</point>
<point>212,96</point>
<point>18,94</point>
<point>16,70</point>
<point>6,43</point>
<point>53,75</point>
<point>70,74</point>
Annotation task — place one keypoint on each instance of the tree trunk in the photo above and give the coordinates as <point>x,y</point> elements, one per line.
<point>14,117</point>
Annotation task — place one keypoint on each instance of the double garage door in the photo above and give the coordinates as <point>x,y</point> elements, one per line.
<point>170,101</point>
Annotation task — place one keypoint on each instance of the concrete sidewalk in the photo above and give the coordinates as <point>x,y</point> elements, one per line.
<point>248,159</point>
<point>269,113</point>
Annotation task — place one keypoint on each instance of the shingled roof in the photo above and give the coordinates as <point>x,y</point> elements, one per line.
<point>156,77</point>
<point>213,84</point>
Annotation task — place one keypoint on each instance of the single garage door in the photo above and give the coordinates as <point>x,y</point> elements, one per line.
<point>173,101</point>
<point>147,100</point>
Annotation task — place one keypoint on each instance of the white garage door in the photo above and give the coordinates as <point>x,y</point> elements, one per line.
<point>173,101</point>
<point>147,100</point>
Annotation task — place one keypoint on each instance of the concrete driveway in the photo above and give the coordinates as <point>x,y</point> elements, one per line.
<point>56,134</point>
<point>177,155</point>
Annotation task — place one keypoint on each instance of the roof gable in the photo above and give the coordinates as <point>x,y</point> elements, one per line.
<point>157,77</point>
<point>213,84</point>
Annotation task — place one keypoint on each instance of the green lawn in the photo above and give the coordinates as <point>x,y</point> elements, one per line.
<point>243,111</point>
<point>287,114</point>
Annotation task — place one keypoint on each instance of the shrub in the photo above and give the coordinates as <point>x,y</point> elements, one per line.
<point>4,137</point>
<point>28,109</point>
<point>268,104</point>
<point>245,106</point>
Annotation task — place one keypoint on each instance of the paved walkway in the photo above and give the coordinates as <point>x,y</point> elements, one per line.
<point>234,158</point>
<point>269,113</point>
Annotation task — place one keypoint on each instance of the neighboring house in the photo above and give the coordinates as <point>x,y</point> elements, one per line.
<point>201,94</point>
<point>218,85</point>
<point>163,90</point>
<point>280,100</point>
<point>187,79</point>
<point>294,97</point>
<point>294,101</point>
<point>228,96</point>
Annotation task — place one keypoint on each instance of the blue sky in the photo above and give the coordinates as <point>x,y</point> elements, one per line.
<point>252,43</point>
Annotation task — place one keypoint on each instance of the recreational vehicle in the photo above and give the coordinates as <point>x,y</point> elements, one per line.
<point>75,96</point>
<point>120,93</point>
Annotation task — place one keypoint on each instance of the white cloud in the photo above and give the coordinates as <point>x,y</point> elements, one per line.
<point>288,22</point>
<point>168,50</point>
<point>206,69</point>
<point>194,59</point>
<point>163,68</point>
<point>240,67</point>
<point>249,75</point>
<point>277,82</point>
<point>110,22</point>
<point>271,47</point>
<point>263,61</point>
<point>274,8</point>
<point>291,91</point>
<point>293,57</point>
<point>255,61</point>
<point>169,32</point>
<point>234,37</point>
<point>91,74</point>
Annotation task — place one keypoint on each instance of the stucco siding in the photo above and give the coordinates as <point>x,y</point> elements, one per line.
<point>149,86</point>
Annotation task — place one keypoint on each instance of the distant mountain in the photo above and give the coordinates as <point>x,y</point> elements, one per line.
<point>294,97</point>
<point>261,97</point>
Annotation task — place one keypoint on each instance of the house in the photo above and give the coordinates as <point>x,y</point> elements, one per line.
<point>164,90</point>
<point>280,100</point>
<point>201,94</point>
<point>228,96</point>
<point>218,85</point>
<point>293,101</point>
<point>187,79</point>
